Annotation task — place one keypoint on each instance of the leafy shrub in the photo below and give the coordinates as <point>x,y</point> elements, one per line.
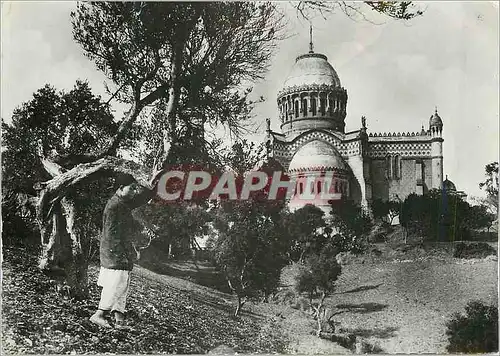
<point>379,232</point>
<point>476,332</point>
<point>318,282</point>
<point>302,227</point>
<point>473,250</point>
<point>349,226</point>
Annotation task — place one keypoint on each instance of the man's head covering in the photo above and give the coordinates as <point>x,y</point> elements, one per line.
<point>123,179</point>
<point>143,194</point>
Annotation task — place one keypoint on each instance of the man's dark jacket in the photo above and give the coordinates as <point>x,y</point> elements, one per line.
<point>119,230</point>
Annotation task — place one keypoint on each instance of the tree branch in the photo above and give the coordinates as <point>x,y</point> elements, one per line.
<point>55,189</point>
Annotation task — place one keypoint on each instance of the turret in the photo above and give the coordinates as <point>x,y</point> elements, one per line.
<point>436,131</point>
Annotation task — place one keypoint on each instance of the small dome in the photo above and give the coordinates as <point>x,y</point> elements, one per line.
<point>435,120</point>
<point>449,186</point>
<point>312,68</point>
<point>317,155</point>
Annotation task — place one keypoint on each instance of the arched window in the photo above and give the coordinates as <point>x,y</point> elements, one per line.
<point>296,104</point>
<point>388,167</point>
<point>304,107</point>
<point>301,188</point>
<point>319,188</point>
<point>314,109</point>
<point>322,106</point>
<point>397,167</point>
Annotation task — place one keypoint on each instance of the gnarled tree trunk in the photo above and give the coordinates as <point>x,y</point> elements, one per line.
<point>63,248</point>
<point>76,262</point>
<point>52,234</point>
<point>65,244</point>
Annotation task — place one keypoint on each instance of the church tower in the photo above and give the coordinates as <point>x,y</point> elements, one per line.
<point>316,150</point>
<point>436,130</point>
<point>312,96</point>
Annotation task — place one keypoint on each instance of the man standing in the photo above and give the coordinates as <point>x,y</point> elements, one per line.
<point>117,252</point>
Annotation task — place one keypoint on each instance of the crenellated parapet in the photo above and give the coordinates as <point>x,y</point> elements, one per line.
<point>399,134</point>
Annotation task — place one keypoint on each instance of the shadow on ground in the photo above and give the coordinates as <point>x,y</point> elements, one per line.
<point>362,308</point>
<point>201,273</point>
<point>361,289</point>
<point>380,333</point>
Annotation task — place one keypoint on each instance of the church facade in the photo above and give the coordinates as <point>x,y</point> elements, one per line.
<point>365,166</point>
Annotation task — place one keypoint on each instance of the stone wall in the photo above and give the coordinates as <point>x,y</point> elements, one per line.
<point>380,186</point>
<point>386,189</point>
<point>427,174</point>
<point>407,184</point>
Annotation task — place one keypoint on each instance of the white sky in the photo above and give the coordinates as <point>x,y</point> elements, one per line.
<point>395,73</point>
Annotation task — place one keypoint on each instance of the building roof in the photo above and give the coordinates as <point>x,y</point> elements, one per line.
<point>312,68</point>
<point>317,155</point>
<point>449,186</point>
<point>435,120</point>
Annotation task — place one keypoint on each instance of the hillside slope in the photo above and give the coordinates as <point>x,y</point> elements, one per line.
<point>167,316</point>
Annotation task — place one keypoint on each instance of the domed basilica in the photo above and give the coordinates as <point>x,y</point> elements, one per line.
<point>365,166</point>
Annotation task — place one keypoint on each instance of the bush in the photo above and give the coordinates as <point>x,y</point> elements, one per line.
<point>379,232</point>
<point>476,332</point>
<point>438,216</point>
<point>318,282</point>
<point>473,250</point>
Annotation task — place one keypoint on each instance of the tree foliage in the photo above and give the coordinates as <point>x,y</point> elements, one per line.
<point>318,279</point>
<point>479,217</point>
<point>74,122</point>
<point>474,332</point>
<point>387,209</point>
<point>243,156</point>
<point>490,185</point>
<point>195,56</point>
<point>304,228</point>
<point>442,216</point>
<point>349,226</point>
<point>249,248</point>
<point>177,226</point>
<point>400,10</point>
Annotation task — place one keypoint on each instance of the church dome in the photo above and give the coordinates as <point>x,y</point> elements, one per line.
<point>312,69</point>
<point>312,97</point>
<point>435,120</point>
<point>317,155</point>
<point>449,186</point>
